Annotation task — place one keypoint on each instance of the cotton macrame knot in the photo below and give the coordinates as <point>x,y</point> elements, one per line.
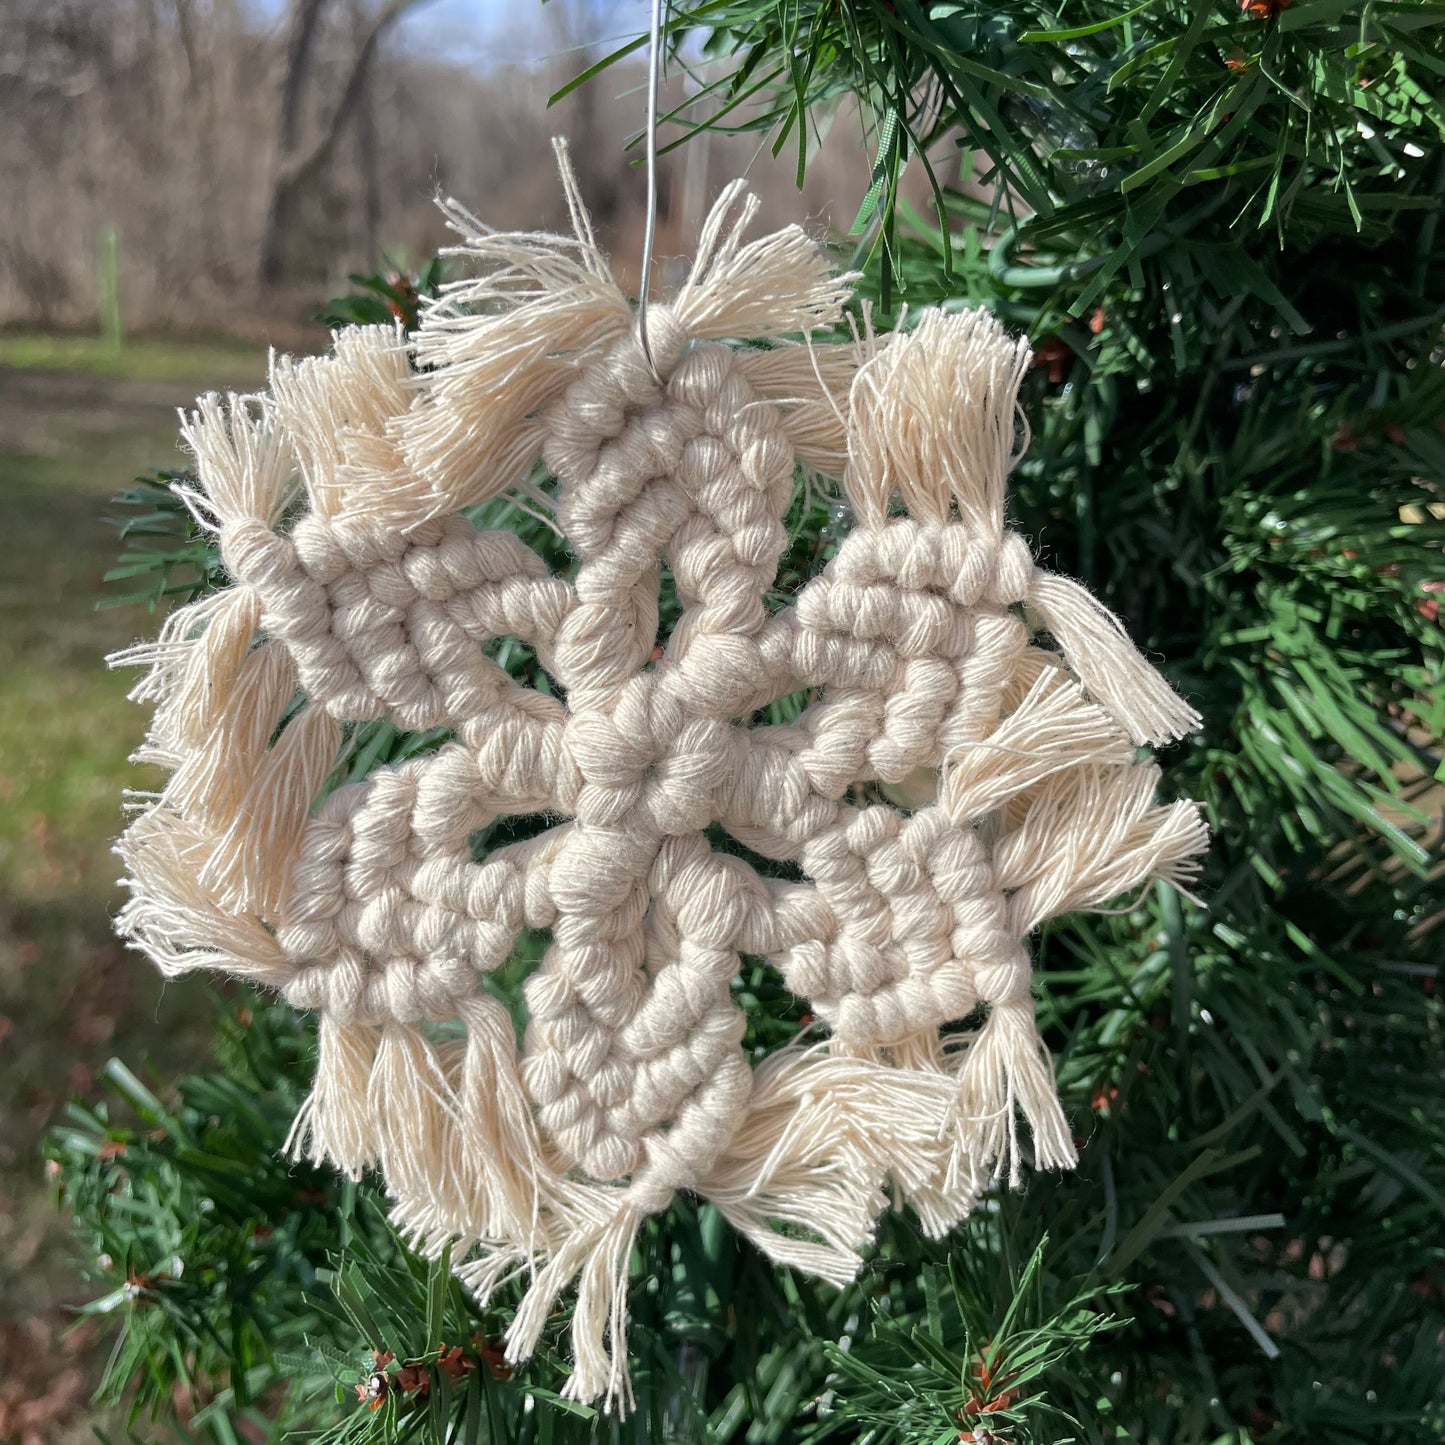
<point>253,553</point>
<point>932,785</point>
<point>1013,571</point>
<point>667,339</point>
<point>1004,982</point>
<point>650,1197</point>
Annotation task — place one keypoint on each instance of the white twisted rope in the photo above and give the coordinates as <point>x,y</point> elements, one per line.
<point>914,644</point>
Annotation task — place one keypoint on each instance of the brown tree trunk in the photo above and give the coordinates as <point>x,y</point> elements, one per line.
<point>300,47</point>
<point>296,163</point>
<point>366,162</point>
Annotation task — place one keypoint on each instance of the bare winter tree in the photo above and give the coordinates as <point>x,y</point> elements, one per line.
<point>249,155</point>
<point>299,156</point>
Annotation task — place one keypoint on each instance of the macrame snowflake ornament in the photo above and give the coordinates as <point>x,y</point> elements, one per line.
<point>362,591</point>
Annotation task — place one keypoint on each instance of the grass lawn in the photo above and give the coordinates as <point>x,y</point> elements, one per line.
<point>75,426</point>
<point>197,364</point>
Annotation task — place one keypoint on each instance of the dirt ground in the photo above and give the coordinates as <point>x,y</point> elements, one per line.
<point>70,996</point>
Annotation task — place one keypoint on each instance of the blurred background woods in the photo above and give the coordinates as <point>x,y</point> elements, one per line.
<point>246,154</point>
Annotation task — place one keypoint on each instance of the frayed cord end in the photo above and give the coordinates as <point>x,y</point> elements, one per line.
<point>1006,1072</point>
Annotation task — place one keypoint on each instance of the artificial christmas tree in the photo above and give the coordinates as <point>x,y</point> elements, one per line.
<point>1219,226</point>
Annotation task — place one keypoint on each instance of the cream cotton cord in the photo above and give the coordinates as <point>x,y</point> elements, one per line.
<point>360,592</point>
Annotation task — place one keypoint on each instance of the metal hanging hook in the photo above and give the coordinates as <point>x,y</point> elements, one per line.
<point>649,234</point>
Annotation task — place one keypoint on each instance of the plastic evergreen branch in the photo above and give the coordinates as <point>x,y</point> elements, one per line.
<point>1106,131</point>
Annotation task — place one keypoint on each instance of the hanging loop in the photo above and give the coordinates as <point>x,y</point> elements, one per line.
<point>649,234</point>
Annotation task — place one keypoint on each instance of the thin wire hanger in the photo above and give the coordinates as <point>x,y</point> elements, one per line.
<point>649,234</point>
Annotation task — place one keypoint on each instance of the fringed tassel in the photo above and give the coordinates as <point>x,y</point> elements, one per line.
<point>447,1123</point>
<point>413,1110</point>
<point>497,348</point>
<point>933,419</point>
<point>250,864</point>
<point>798,1158</point>
<point>501,1134</point>
<point>212,778</point>
<point>918,1133</point>
<point>1090,835</point>
<point>1112,670</point>
<point>175,919</point>
<point>336,1123</point>
<point>1053,728</point>
<point>828,1129</point>
<point>214,670</point>
<point>340,411</point>
<point>591,1242</point>
<point>1006,1072</point>
<point>243,459</point>
<point>767,288</point>
<point>599,1318</point>
<point>193,669</point>
<point>919,1124</point>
